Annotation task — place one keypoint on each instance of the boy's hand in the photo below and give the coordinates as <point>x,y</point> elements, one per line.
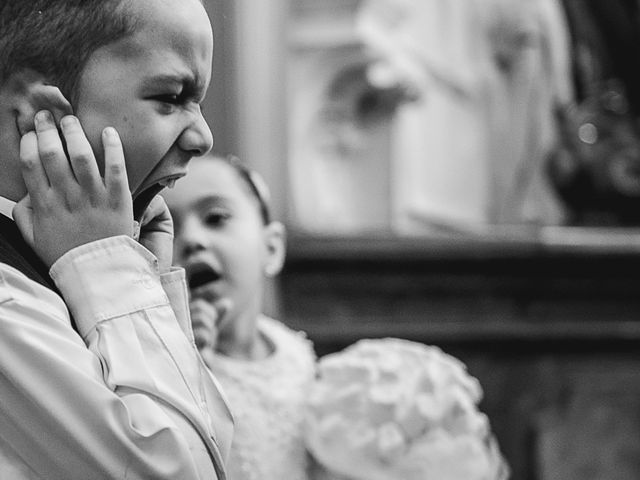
<point>156,232</point>
<point>205,320</point>
<point>68,203</point>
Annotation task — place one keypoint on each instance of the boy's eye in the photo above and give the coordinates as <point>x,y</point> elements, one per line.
<point>169,102</point>
<point>172,98</point>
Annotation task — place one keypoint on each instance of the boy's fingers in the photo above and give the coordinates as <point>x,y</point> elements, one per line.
<point>33,173</point>
<point>23,216</point>
<point>157,218</point>
<point>49,95</point>
<point>156,210</point>
<point>81,157</point>
<point>52,155</point>
<point>38,95</point>
<point>115,171</point>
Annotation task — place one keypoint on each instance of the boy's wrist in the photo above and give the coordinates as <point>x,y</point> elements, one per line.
<point>108,278</point>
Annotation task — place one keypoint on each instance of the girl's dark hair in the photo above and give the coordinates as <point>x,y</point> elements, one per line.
<point>254,181</point>
<point>56,37</point>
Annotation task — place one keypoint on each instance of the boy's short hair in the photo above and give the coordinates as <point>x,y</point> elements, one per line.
<point>56,37</point>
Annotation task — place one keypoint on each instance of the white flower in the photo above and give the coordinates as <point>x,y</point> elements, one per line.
<point>392,409</point>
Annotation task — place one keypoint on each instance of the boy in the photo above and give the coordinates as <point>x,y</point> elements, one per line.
<point>99,375</point>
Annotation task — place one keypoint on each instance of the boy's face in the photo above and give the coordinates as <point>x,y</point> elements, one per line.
<point>149,87</point>
<point>220,237</point>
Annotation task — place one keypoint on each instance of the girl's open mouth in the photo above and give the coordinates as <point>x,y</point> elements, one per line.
<point>200,274</point>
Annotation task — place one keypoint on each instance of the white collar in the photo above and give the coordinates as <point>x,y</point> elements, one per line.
<point>6,207</point>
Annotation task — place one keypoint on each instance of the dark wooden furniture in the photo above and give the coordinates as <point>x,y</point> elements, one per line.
<point>547,320</point>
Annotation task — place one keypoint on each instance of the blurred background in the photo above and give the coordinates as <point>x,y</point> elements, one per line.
<point>464,173</point>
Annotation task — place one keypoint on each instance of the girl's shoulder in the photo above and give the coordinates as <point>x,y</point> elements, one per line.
<point>285,339</point>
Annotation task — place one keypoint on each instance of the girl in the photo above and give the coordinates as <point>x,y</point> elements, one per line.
<point>229,245</point>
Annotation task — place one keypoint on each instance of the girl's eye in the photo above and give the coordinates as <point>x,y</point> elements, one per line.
<point>215,218</point>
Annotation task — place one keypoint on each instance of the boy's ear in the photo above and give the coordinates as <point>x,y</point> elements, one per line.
<point>275,243</point>
<point>30,93</point>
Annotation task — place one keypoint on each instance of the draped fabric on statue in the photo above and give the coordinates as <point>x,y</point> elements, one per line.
<point>472,150</point>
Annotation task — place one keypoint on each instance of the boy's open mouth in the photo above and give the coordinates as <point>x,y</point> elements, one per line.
<point>143,199</point>
<point>199,274</point>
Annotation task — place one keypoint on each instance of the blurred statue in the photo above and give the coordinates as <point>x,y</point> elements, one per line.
<point>596,168</point>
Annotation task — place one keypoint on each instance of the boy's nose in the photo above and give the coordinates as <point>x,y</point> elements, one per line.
<point>197,137</point>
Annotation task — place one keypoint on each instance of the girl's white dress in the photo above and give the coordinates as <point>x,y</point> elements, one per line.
<point>267,399</point>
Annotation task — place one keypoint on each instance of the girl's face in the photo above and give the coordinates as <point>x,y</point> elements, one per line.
<point>220,237</point>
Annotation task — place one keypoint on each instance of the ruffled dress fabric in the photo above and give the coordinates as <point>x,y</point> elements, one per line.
<point>267,399</point>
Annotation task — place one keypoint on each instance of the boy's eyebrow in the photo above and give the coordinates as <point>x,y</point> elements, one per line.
<point>191,85</point>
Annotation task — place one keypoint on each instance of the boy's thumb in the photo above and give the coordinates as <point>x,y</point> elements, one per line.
<point>23,216</point>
